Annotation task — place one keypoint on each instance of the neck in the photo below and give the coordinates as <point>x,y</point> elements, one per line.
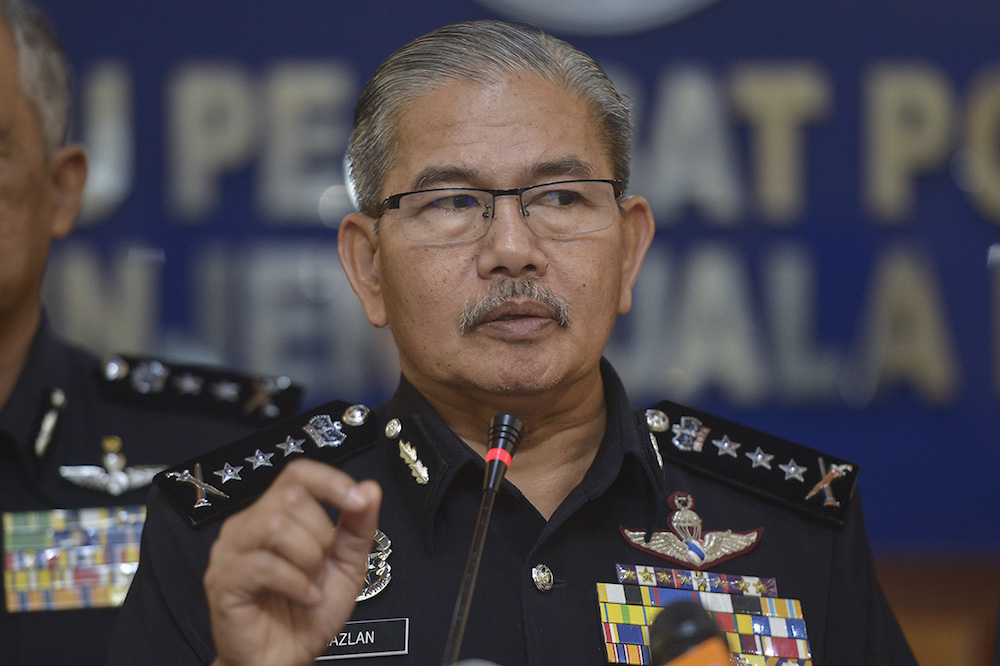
<point>564,427</point>
<point>16,335</point>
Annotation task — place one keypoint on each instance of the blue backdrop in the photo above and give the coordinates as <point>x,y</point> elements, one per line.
<point>825,175</point>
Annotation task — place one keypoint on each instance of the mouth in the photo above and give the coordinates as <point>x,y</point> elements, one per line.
<point>510,311</point>
<point>514,307</point>
<point>516,319</point>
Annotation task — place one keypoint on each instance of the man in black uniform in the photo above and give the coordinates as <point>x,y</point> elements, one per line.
<point>80,439</point>
<point>495,240</point>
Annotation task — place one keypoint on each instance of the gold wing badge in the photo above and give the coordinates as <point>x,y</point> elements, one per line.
<point>686,545</point>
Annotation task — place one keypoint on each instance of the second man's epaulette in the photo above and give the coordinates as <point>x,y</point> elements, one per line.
<point>804,479</point>
<point>154,383</point>
<point>221,482</point>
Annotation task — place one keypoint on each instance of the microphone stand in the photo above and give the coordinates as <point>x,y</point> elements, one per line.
<point>506,431</point>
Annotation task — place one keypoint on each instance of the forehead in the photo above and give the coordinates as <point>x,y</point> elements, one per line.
<point>496,135</point>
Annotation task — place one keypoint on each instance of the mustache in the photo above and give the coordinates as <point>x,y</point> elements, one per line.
<point>506,289</point>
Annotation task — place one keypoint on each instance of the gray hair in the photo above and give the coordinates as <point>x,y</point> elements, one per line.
<point>481,52</point>
<point>43,70</point>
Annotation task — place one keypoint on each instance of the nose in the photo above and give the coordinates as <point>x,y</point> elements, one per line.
<point>510,247</point>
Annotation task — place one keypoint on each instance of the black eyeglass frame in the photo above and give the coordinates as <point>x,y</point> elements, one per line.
<point>392,202</point>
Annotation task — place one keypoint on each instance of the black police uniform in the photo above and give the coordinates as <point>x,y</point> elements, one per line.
<point>70,410</point>
<point>537,600</point>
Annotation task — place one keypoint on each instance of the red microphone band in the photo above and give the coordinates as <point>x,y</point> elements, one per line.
<point>497,453</point>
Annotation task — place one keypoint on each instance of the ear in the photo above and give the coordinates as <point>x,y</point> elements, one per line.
<point>637,234</point>
<point>358,247</point>
<point>68,175</point>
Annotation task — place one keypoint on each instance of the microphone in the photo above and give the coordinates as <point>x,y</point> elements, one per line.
<point>683,634</point>
<point>505,433</point>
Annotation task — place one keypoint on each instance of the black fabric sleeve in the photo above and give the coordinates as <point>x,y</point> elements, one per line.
<point>860,627</point>
<point>165,617</point>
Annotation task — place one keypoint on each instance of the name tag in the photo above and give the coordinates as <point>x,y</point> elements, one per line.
<point>370,638</point>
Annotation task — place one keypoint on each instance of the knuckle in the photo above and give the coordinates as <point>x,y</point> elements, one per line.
<point>259,564</point>
<point>274,527</point>
<point>293,496</point>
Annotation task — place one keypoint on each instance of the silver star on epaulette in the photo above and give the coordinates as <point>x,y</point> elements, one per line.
<point>260,459</point>
<point>226,391</point>
<point>229,472</point>
<point>290,445</point>
<point>726,446</point>
<point>792,470</point>
<point>759,458</point>
<point>188,384</point>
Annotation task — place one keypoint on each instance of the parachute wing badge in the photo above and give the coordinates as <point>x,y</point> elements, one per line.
<point>686,545</point>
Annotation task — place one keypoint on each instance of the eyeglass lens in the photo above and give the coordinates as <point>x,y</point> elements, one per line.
<point>551,209</point>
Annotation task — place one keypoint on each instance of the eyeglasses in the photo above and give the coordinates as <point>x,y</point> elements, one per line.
<point>554,210</point>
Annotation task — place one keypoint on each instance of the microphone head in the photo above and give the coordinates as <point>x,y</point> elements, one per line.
<point>679,627</point>
<point>506,431</point>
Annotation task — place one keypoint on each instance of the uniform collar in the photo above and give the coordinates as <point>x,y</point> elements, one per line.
<point>626,441</point>
<point>425,455</point>
<point>46,368</point>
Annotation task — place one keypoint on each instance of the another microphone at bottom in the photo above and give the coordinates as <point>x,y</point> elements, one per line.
<point>683,634</point>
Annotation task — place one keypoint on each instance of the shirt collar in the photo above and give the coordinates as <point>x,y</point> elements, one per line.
<point>425,455</point>
<point>46,368</point>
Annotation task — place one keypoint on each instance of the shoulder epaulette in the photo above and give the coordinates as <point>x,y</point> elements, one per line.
<point>151,382</point>
<point>796,476</point>
<point>219,483</point>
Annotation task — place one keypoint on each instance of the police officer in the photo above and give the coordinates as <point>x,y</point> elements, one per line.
<point>496,241</point>
<point>80,438</point>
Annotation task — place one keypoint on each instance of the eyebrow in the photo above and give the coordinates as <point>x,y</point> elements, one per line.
<point>570,166</point>
<point>436,176</point>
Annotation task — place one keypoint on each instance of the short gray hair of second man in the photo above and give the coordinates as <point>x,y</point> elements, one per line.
<point>43,69</point>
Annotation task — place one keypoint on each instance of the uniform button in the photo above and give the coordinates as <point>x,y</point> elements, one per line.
<point>657,420</point>
<point>356,415</point>
<point>541,575</point>
<point>115,368</point>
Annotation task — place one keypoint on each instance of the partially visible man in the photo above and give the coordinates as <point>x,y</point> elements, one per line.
<point>80,439</point>
<point>496,241</point>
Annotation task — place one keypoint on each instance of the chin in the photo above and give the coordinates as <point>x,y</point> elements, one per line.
<point>519,387</point>
<point>519,377</point>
